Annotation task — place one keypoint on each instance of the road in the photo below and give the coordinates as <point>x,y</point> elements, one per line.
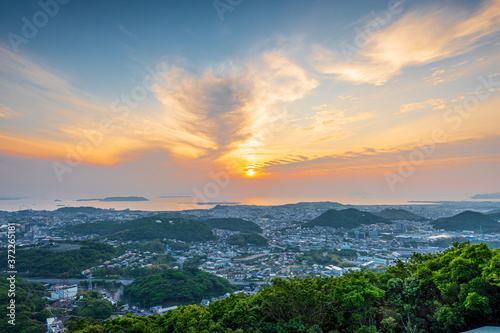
<point>244,283</point>
<point>252,257</point>
<point>75,281</point>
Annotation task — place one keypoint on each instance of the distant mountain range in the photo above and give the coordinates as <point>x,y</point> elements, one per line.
<point>487,196</point>
<point>347,218</point>
<point>315,205</point>
<point>218,203</point>
<point>468,220</point>
<point>80,210</point>
<point>13,198</point>
<point>399,214</point>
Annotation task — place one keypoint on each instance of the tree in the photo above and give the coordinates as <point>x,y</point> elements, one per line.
<point>93,306</point>
<point>427,293</point>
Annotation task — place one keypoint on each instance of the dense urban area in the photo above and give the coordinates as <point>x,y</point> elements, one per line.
<point>86,264</point>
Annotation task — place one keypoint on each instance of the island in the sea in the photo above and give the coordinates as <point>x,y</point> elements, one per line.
<point>114,199</point>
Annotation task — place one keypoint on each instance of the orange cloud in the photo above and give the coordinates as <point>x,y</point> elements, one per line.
<point>8,113</point>
<point>225,112</point>
<point>377,161</point>
<point>219,115</point>
<point>57,120</point>
<point>336,119</point>
<point>435,103</point>
<point>416,39</point>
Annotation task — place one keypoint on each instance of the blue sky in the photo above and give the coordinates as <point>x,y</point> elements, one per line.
<point>331,96</point>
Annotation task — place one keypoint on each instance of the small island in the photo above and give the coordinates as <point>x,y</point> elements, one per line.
<point>115,199</point>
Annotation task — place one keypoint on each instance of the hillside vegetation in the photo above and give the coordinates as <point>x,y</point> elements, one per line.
<point>64,264</point>
<point>453,291</point>
<point>243,240</point>
<point>81,209</point>
<point>347,218</point>
<point>148,229</point>
<point>172,286</point>
<point>467,220</point>
<point>92,305</point>
<point>320,257</point>
<point>495,216</point>
<point>234,224</point>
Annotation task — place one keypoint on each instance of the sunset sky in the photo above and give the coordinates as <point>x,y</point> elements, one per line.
<point>351,101</point>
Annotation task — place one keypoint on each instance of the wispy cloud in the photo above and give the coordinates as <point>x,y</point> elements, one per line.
<point>223,112</point>
<point>335,119</point>
<point>418,38</point>
<point>377,161</point>
<point>125,31</point>
<point>8,113</point>
<point>51,116</point>
<point>434,103</point>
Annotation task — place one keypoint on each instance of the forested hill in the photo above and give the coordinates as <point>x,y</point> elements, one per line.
<point>80,210</point>
<point>174,287</point>
<point>244,240</point>
<point>453,291</point>
<point>170,227</point>
<point>148,229</point>
<point>468,220</point>
<point>63,264</point>
<point>234,224</point>
<point>495,216</point>
<point>347,218</point>
<point>399,214</point>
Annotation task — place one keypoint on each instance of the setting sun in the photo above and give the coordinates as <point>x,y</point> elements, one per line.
<point>377,106</point>
<point>250,172</point>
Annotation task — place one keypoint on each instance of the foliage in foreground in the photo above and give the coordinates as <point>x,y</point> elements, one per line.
<point>452,291</point>
<point>29,306</point>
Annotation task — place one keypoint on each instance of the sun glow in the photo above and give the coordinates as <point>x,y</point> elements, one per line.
<point>250,172</point>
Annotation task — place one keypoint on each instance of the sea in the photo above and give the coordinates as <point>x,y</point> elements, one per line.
<point>174,203</point>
